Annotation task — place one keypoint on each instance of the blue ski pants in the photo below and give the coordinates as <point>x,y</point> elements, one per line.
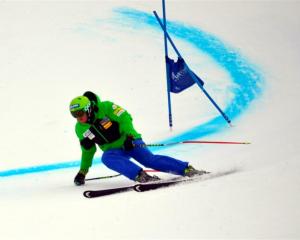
<point>119,161</point>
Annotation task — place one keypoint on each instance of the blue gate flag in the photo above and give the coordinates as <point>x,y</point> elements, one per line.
<point>180,75</point>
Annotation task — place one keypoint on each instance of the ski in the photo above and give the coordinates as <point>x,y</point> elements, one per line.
<point>139,187</point>
<point>105,192</point>
<point>142,187</point>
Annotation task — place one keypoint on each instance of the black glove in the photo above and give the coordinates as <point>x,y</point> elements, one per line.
<point>128,144</point>
<point>79,179</point>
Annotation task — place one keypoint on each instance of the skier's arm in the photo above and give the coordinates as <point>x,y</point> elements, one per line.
<point>88,150</point>
<point>87,156</point>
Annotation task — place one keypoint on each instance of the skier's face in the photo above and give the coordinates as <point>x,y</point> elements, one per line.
<point>83,118</point>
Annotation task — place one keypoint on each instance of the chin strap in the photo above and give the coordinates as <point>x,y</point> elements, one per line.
<point>91,112</point>
<point>91,117</point>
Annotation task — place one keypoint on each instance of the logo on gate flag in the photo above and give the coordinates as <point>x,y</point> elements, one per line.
<point>180,75</point>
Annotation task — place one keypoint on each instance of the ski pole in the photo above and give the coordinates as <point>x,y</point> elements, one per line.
<point>187,142</point>
<point>116,175</point>
<point>104,177</point>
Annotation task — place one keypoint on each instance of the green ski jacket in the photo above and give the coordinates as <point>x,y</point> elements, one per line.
<point>109,129</point>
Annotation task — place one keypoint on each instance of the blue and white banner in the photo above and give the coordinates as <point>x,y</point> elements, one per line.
<point>180,75</point>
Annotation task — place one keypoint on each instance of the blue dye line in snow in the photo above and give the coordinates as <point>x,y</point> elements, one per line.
<point>248,79</point>
<point>43,168</point>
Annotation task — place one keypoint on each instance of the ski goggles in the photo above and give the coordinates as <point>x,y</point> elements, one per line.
<point>77,114</point>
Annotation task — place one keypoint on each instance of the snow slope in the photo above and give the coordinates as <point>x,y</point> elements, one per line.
<point>52,51</point>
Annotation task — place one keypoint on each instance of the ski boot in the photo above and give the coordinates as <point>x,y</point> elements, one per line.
<point>144,177</point>
<point>190,171</point>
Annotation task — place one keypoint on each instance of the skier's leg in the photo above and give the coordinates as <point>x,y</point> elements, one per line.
<point>118,160</point>
<point>158,162</point>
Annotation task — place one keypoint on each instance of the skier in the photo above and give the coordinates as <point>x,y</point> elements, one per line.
<point>110,127</point>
